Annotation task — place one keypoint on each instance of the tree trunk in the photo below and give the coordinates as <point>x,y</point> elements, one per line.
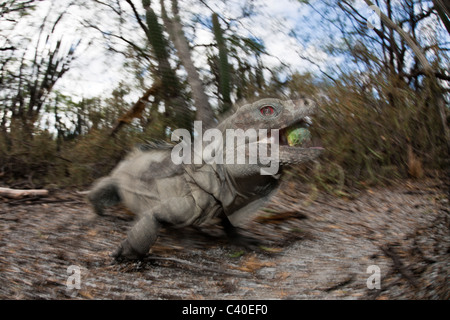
<point>175,29</point>
<point>177,109</point>
<point>224,67</point>
<point>428,70</point>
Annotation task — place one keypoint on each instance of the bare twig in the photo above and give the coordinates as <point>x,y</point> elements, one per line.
<point>398,265</point>
<point>213,269</point>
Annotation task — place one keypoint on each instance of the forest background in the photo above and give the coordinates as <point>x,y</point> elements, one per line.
<point>83,82</point>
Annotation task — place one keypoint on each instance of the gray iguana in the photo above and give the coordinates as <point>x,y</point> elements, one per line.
<point>161,192</point>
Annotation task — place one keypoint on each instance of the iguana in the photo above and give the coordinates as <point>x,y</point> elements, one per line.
<point>163,193</point>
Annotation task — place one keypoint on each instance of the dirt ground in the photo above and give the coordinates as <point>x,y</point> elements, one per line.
<point>315,246</point>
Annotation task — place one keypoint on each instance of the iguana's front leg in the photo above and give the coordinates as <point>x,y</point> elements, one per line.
<point>236,237</point>
<point>174,212</point>
<point>140,238</point>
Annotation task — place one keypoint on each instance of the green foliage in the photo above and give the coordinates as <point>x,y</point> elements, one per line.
<point>367,126</point>
<point>155,35</point>
<point>224,67</point>
<point>22,157</point>
<point>92,157</point>
<point>172,93</point>
<point>160,48</point>
<point>76,150</point>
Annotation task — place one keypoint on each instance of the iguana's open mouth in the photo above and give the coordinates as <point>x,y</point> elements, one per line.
<point>298,135</point>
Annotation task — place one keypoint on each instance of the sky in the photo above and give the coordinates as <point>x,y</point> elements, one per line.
<point>96,72</point>
<point>291,32</point>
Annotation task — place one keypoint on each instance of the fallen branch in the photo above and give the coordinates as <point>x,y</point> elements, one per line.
<point>18,193</point>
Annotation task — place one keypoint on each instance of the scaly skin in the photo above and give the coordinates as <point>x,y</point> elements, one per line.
<point>162,193</point>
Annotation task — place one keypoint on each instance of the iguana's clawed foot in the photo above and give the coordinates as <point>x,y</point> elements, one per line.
<point>240,240</point>
<point>126,252</point>
<point>237,238</point>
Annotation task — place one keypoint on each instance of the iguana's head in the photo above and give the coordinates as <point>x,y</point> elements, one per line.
<point>289,117</point>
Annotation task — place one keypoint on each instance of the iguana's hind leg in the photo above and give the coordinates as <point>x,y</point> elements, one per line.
<point>104,194</point>
<point>140,238</point>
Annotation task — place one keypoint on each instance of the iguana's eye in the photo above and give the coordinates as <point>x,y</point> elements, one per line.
<point>267,110</point>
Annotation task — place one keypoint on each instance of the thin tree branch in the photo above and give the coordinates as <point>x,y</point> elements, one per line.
<point>137,109</point>
<point>138,18</point>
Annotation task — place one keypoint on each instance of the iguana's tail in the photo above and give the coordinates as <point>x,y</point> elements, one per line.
<point>104,194</point>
